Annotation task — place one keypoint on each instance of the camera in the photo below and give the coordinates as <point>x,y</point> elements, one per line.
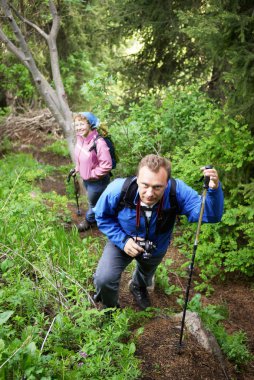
<point>148,246</point>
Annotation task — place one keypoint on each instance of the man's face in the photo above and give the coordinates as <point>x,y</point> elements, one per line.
<point>151,185</point>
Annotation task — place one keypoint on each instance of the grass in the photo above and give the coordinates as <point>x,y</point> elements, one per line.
<point>58,147</point>
<point>49,327</point>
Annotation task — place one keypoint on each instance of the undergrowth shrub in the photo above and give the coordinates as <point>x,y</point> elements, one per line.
<point>59,147</point>
<point>233,345</point>
<point>162,278</point>
<point>185,126</point>
<point>227,246</point>
<point>49,327</point>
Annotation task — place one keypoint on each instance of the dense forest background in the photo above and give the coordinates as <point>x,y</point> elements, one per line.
<point>172,78</point>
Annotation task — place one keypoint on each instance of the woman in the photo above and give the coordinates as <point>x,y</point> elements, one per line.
<point>93,162</point>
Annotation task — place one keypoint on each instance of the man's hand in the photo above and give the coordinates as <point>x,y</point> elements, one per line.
<point>214,178</point>
<point>132,248</point>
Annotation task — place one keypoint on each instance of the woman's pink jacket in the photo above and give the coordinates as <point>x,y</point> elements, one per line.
<point>92,165</point>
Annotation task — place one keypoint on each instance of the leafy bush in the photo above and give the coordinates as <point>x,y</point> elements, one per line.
<point>5,145</point>
<point>162,278</point>
<point>184,125</point>
<point>233,345</point>
<point>59,147</point>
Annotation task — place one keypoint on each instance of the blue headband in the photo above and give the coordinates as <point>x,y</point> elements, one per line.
<point>91,118</point>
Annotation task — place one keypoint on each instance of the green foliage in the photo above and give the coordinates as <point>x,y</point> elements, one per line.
<point>187,42</point>
<point>59,147</point>
<point>48,328</point>
<point>102,94</point>
<point>223,33</point>
<point>17,80</point>
<point>4,111</point>
<point>81,49</point>
<point>162,278</point>
<point>233,345</point>
<point>164,54</point>
<point>228,145</point>
<point>160,123</point>
<point>192,131</point>
<point>5,145</point>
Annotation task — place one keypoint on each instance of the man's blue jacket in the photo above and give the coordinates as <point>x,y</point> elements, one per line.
<point>118,225</point>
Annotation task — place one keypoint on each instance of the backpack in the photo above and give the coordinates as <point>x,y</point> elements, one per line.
<point>129,191</point>
<point>168,217</point>
<point>110,145</point>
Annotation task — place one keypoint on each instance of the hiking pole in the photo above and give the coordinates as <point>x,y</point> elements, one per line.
<point>76,188</point>
<point>203,197</point>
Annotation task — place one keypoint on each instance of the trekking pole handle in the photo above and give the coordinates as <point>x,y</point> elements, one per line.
<point>71,173</point>
<point>207,178</point>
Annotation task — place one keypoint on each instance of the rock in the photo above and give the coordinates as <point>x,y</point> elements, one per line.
<point>195,327</point>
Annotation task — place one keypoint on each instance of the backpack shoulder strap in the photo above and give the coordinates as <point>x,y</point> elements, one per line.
<point>94,143</point>
<point>172,195</point>
<point>128,192</point>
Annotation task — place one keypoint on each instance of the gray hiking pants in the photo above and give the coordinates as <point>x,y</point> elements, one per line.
<point>109,270</point>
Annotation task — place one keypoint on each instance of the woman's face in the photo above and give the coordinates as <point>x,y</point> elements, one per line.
<point>82,127</point>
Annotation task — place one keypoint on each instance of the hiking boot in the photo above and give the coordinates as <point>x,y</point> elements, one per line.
<point>84,226</point>
<point>140,295</point>
<point>97,298</point>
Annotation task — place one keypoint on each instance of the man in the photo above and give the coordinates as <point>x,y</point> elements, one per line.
<point>150,217</point>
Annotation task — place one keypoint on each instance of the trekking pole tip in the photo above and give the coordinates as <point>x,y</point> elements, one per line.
<point>179,348</point>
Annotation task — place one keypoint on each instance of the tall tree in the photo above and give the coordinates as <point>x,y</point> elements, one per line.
<point>223,33</point>
<point>165,52</point>
<point>211,42</point>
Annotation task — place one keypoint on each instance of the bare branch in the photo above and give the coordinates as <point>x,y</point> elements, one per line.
<point>50,328</point>
<point>56,20</point>
<point>14,49</point>
<point>16,30</point>
<point>28,339</point>
<point>39,30</point>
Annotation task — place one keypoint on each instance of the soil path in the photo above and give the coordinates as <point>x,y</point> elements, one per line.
<point>157,346</point>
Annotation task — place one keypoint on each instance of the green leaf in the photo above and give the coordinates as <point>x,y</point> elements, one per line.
<point>5,316</point>
<point>6,264</point>
<point>2,344</point>
<point>132,348</point>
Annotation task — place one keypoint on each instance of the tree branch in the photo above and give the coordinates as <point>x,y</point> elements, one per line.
<point>39,30</point>
<point>54,59</point>
<point>18,34</point>
<point>56,20</point>
<point>14,49</point>
<point>54,98</point>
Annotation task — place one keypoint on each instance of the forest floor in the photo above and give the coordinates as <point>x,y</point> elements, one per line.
<point>157,345</point>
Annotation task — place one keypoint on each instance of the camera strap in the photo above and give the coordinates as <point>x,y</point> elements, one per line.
<point>139,209</point>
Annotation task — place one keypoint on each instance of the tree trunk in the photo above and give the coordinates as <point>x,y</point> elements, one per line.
<point>55,98</point>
